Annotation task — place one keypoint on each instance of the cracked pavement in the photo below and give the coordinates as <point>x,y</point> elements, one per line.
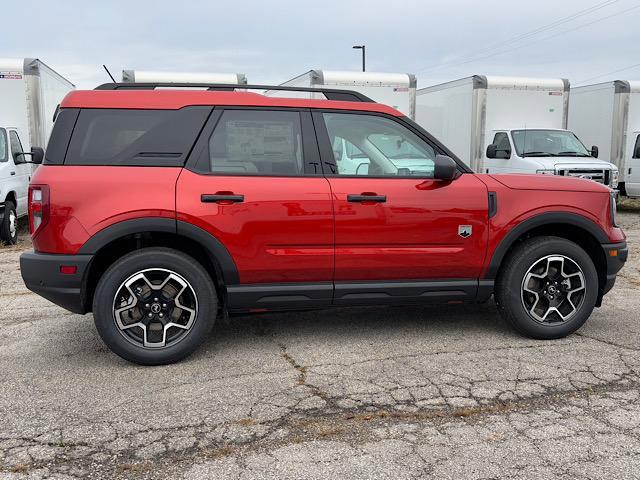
<point>378,392</point>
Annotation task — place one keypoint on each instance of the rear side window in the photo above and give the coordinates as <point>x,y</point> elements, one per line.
<point>252,142</point>
<point>135,137</point>
<point>3,145</point>
<point>636,148</point>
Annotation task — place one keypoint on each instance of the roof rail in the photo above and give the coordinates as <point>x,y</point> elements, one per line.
<point>329,93</point>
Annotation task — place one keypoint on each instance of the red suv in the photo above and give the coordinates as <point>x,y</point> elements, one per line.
<point>161,209</point>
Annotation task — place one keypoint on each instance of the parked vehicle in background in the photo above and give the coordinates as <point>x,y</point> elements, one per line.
<point>608,115</point>
<point>241,205</point>
<point>398,90</point>
<point>510,125</point>
<point>139,76</point>
<point>30,92</point>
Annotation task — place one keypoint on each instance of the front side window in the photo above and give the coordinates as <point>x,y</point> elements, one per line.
<point>372,145</point>
<point>548,143</point>
<point>253,142</point>
<point>503,147</point>
<point>3,145</point>
<point>636,148</point>
<point>16,146</point>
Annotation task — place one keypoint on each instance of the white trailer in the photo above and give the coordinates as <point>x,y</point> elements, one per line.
<point>510,125</point>
<point>398,90</point>
<point>608,115</point>
<point>30,92</point>
<point>137,76</point>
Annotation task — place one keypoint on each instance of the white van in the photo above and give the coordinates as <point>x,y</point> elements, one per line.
<point>608,114</point>
<point>29,95</point>
<point>510,125</point>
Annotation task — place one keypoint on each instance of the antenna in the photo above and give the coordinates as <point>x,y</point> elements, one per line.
<point>109,73</point>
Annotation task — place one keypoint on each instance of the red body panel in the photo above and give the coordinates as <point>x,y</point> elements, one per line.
<point>175,99</point>
<point>282,232</point>
<point>414,234</point>
<point>517,205</point>
<point>84,200</point>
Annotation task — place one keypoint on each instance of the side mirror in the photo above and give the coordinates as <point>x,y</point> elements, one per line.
<point>444,168</point>
<point>36,154</point>
<point>491,150</point>
<point>594,151</point>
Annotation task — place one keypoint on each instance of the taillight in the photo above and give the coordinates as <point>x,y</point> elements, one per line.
<point>38,207</point>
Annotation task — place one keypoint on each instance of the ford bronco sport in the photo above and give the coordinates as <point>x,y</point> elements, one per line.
<point>162,209</point>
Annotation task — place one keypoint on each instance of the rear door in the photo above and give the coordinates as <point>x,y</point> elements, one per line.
<point>254,182</point>
<point>394,222</point>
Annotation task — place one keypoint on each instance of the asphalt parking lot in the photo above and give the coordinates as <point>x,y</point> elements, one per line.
<point>391,392</point>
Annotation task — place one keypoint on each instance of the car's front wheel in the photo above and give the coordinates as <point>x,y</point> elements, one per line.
<point>9,224</point>
<point>154,306</point>
<point>547,287</point>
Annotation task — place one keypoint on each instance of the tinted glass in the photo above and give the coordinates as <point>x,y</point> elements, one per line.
<point>636,148</point>
<point>135,137</point>
<point>3,146</point>
<point>60,136</point>
<point>251,142</point>
<point>377,146</point>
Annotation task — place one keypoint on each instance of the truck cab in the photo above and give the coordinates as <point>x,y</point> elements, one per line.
<point>546,151</point>
<point>15,173</point>
<point>632,166</point>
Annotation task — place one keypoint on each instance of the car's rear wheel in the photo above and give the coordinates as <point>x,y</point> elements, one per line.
<point>154,306</point>
<point>9,225</point>
<point>547,288</point>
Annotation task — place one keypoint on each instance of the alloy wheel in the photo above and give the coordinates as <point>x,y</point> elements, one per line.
<point>155,308</point>
<point>553,289</point>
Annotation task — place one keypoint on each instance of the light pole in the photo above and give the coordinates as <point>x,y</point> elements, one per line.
<point>361,47</point>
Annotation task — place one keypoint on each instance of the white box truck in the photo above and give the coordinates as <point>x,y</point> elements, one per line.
<point>608,115</point>
<point>398,90</point>
<point>30,92</point>
<point>510,125</point>
<point>137,76</point>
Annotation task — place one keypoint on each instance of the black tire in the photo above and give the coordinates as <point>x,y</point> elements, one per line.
<point>509,287</point>
<point>146,259</point>
<point>6,235</point>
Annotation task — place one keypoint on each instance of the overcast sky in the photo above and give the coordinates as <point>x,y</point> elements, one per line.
<point>273,41</point>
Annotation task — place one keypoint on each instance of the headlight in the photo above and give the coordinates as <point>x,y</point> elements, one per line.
<point>613,208</point>
<point>614,178</point>
<point>546,172</point>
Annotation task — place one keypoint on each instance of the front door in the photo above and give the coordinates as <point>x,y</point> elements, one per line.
<point>254,183</point>
<point>394,222</point>
<point>632,166</point>
<point>21,172</point>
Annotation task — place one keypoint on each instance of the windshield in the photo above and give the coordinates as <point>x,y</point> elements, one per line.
<point>548,143</point>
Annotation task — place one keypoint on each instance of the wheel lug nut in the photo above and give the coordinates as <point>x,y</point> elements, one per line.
<point>146,305</point>
<point>164,305</point>
<point>155,299</point>
<point>161,315</point>
<point>150,315</point>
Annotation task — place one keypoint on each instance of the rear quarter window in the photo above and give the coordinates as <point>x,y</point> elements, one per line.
<point>135,137</point>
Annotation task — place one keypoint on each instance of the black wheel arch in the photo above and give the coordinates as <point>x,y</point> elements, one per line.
<point>571,226</point>
<point>120,238</point>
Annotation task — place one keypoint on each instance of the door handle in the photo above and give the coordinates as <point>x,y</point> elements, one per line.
<point>221,197</point>
<point>366,197</point>
<point>13,173</point>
